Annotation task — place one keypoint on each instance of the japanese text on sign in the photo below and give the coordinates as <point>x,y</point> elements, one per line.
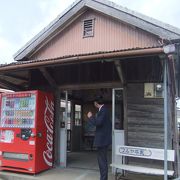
<point>134,151</point>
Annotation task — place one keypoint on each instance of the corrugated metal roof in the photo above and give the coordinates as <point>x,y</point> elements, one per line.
<point>146,23</point>
<point>71,56</point>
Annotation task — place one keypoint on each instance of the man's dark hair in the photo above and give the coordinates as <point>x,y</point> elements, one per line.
<point>99,100</point>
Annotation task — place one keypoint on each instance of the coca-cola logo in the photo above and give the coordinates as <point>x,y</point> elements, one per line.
<point>49,122</point>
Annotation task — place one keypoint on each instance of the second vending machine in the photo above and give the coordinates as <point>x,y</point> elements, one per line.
<point>26,131</point>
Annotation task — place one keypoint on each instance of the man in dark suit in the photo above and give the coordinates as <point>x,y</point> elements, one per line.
<point>103,135</point>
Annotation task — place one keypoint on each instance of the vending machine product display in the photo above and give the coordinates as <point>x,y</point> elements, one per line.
<point>26,131</point>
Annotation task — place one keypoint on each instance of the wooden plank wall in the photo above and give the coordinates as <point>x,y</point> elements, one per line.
<point>145,122</point>
<point>145,118</point>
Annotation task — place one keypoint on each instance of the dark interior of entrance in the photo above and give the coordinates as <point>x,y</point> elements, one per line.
<point>80,134</point>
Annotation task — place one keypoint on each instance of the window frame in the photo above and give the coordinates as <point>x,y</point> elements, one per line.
<point>93,27</point>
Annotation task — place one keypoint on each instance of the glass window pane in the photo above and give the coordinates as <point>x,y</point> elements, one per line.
<point>78,115</point>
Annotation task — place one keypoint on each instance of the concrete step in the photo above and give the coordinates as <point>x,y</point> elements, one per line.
<point>70,174</point>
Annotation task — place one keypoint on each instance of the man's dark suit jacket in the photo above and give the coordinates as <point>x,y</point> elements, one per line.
<point>103,134</point>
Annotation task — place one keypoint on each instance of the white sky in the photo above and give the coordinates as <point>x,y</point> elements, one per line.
<point>20,20</point>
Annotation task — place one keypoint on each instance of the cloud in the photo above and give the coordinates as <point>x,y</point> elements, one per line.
<point>6,51</point>
<point>49,10</point>
<point>1,29</point>
<point>11,41</point>
<point>166,11</point>
<point>52,9</point>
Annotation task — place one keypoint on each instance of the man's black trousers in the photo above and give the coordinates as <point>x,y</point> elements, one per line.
<point>102,161</point>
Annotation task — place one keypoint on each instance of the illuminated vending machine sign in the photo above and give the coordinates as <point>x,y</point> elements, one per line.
<point>26,131</point>
<point>18,111</point>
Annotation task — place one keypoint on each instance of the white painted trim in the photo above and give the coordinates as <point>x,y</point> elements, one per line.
<point>114,132</point>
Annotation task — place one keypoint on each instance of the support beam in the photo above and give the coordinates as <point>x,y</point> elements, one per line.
<point>120,71</point>
<point>15,77</point>
<point>10,85</point>
<point>48,77</point>
<point>116,84</point>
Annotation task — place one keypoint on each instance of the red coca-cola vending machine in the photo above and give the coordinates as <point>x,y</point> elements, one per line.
<point>26,131</point>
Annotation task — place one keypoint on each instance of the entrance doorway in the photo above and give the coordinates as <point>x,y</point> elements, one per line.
<point>79,134</point>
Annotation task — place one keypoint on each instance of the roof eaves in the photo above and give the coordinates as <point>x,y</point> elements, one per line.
<point>75,56</point>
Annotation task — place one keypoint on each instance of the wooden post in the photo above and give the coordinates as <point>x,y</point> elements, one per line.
<point>57,128</point>
<point>165,118</point>
<point>175,140</point>
<point>10,85</point>
<point>48,77</point>
<point>175,113</point>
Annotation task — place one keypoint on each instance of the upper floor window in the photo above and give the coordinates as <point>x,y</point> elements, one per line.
<point>88,28</point>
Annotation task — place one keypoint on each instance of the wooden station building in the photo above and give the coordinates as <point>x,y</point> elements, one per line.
<point>97,47</point>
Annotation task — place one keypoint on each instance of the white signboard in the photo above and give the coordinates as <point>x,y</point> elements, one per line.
<point>146,153</point>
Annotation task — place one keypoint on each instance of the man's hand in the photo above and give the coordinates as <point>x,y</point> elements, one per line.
<point>89,114</point>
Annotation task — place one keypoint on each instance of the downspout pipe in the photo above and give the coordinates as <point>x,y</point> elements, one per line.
<point>165,120</point>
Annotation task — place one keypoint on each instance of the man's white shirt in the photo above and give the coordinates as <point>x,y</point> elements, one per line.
<point>101,107</point>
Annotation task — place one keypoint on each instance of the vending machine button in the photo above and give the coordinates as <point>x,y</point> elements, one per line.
<point>26,134</point>
<point>23,136</point>
<point>32,135</point>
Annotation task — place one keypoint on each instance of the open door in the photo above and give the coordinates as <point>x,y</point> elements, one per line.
<point>117,123</point>
<point>77,128</point>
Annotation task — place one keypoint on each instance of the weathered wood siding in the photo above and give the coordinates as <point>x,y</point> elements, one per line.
<point>145,119</point>
<point>109,35</point>
<point>145,122</point>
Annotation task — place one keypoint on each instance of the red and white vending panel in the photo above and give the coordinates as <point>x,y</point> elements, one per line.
<point>26,131</point>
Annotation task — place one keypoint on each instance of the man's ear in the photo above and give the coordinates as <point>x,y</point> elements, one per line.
<point>96,104</point>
